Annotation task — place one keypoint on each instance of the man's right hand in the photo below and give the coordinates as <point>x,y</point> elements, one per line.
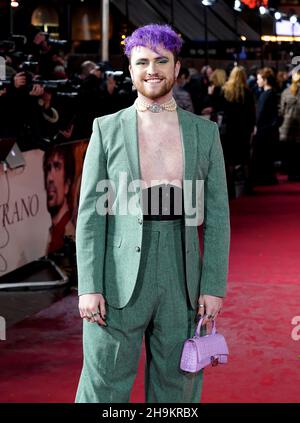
<point>92,308</point>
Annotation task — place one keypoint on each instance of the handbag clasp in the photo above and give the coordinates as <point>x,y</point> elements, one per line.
<point>214,361</point>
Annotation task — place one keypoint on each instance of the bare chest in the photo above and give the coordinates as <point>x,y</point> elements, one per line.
<point>160,151</point>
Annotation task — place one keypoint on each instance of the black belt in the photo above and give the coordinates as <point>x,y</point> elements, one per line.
<point>163,217</point>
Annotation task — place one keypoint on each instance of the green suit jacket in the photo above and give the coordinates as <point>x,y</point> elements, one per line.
<point>109,245</point>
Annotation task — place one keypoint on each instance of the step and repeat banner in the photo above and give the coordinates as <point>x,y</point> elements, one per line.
<point>39,204</point>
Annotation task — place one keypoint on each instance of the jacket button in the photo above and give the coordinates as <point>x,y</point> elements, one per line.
<point>106,203</point>
<point>140,220</point>
<point>137,249</point>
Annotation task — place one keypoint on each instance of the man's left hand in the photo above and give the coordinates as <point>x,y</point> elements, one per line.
<point>208,307</point>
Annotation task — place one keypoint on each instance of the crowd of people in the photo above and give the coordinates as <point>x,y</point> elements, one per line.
<point>258,118</point>
<point>43,102</point>
<point>257,110</point>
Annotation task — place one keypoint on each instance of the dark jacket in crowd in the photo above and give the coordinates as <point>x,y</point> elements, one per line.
<point>267,114</point>
<point>90,105</point>
<point>237,126</point>
<point>266,139</point>
<point>18,117</point>
<point>214,100</point>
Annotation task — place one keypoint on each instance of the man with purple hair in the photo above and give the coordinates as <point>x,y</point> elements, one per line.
<point>140,271</point>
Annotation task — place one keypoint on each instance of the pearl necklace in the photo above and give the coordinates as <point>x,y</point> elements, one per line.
<point>142,106</point>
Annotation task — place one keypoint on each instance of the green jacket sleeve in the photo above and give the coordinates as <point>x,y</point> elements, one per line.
<point>91,226</point>
<point>216,225</point>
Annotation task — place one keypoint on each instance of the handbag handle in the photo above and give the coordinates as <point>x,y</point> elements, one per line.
<point>213,330</point>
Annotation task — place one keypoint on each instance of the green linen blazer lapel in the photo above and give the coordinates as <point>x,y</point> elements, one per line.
<point>129,129</point>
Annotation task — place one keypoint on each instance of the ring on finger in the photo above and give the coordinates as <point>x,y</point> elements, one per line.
<point>93,321</point>
<point>88,317</point>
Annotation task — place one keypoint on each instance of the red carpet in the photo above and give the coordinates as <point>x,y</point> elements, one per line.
<point>41,360</point>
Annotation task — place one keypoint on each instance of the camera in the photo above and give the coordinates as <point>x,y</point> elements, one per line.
<point>57,43</point>
<point>28,65</point>
<point>116,75</point>
<point>6,46</point>
<point>61,87</point>
<point>124,82</point>
<point>4,84</point>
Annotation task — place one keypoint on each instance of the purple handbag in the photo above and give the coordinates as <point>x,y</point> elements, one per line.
<point>200,351</point>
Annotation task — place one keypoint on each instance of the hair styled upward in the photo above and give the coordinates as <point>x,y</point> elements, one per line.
<point>154,36</point>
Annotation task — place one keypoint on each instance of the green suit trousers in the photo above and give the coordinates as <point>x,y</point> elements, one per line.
<point>159,310</point>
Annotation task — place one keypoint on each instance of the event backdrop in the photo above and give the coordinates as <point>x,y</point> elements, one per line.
<point>26,224</point>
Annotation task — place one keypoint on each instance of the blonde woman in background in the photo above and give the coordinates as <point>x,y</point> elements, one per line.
<point>218,78</point>
<point>237,126</point>
<point>289,131</point>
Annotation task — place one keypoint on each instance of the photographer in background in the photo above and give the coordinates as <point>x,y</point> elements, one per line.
<point>41,105</point>
<point>33,114</point>
<point>54,125</point>
<point>20,108</point>
<point>114,98</point>
<point>35,110</point>
<point>47,53</point>
<point>91,100</point>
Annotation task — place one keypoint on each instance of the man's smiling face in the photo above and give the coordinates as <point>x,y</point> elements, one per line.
<point>153,73</point>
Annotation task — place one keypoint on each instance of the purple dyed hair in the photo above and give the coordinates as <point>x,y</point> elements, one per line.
<point>152,36</point>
